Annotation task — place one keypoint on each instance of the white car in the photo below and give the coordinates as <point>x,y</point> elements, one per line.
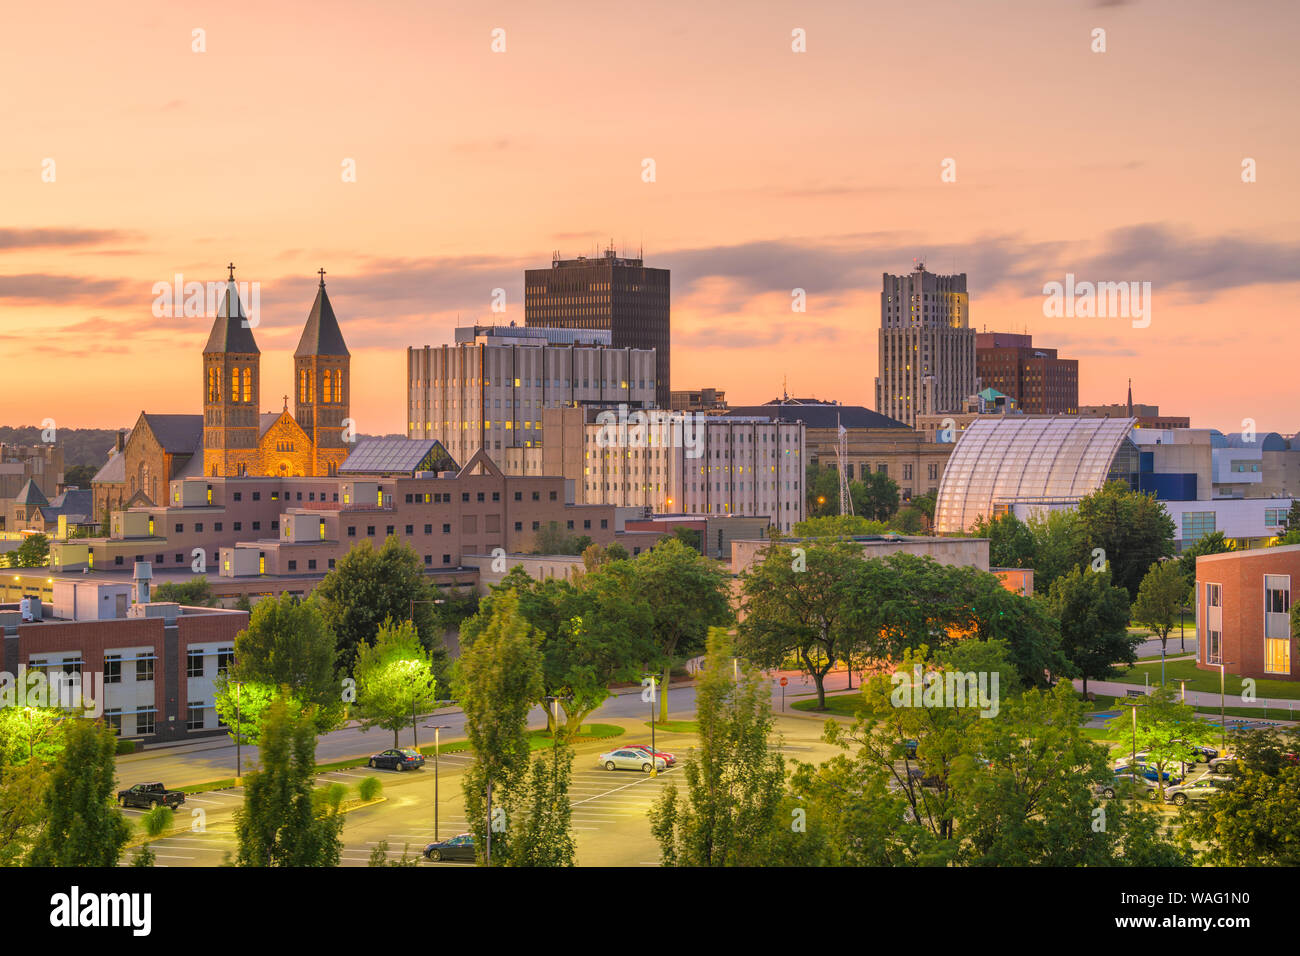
<point>627,759</point>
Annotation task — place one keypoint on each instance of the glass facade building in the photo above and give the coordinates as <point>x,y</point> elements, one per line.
<point>1001,463</point>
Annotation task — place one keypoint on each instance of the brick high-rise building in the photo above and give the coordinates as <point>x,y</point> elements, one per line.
<point>1039,381</point>
<point>927,348</point>
<point>612,293</point>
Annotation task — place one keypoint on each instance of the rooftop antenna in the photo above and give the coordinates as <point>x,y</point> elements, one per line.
<point>841,461</point>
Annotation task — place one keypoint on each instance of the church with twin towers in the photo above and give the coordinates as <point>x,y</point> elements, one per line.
<point>238,439</point>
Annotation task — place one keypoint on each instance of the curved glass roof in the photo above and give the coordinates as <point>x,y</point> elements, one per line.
<point>1040,460</point>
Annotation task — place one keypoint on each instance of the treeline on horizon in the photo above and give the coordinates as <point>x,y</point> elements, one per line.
<point>87,446</point>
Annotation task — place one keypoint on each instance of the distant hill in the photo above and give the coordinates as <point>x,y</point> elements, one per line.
<point>87,446</point>
<point>81,446</point>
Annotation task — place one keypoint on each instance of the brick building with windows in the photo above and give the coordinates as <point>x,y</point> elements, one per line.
<point>158,666</point>
<point>1243,619</point>
<point>1037,380</point>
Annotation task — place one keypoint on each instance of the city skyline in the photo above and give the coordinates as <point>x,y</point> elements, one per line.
<point>822,171</point>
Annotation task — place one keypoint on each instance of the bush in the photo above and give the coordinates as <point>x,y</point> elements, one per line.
<point>126,746</point>
<point>143,857</point>
<point>369,788</point>
<point>157,820</point>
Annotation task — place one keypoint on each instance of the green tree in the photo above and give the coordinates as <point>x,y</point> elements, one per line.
<point>1011,543</point>
<point>82,826</point>
<point>34,552</point>
<point>22,802</point>
<point>925,504</point>
<point>32,732</point>
<point>837,526</point>
<point>822,489</point>
<point>80,475</point>
<point>802,602</point>
<point>1167,729</point>
<point>875,495</point>
<point>144,857</point>
<point>542,835</point>
<point>196,592</point>
<point>688,594</point>
<point>735,782</point>
<point>1212,543</point>
<point>367,587</point>
<point>909,520</point>
<point>1161,596</point>
<point>497,679</point>
<point>1094,624</point>
<point>590,632</point>
<point>394,678</point>
<point>1132,529</point>
<point>287,645</point>
<point>281,822</point>
<point>1254,821</point>
<point>1060,546</point>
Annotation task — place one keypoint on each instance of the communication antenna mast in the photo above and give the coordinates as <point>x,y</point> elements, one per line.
<point>841,460</point>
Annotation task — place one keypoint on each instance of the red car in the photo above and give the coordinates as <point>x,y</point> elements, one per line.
<point>667,758</point>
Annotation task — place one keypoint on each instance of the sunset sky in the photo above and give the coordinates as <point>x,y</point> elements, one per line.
<point>774,170</point>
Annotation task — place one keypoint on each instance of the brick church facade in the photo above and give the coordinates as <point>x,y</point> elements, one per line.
<point>232,437</point>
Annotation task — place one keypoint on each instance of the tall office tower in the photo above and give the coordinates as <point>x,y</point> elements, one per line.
<point>612,293</point>
<point>927,348</point>
<point>1039,381</point>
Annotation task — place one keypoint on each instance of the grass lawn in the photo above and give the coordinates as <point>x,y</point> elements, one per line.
<point>845,705</point>
<point>1206,680</point>
<point>675,726</point>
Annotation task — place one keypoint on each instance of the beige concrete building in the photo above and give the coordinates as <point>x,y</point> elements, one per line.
<point>489,389</point>
<point>875,443</point>
<point>927,347</point>
<point>692,464</point>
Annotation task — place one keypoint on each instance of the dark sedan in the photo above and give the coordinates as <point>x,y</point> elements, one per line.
<point>457,848</point>
<point>405,759</point>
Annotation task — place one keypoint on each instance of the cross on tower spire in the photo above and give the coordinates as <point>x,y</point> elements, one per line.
<point>231,267</point>
<point>322,278</point>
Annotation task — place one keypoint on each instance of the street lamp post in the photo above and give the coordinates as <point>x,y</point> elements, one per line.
<point>1223,711</point>
<point>555,716</point>
<point>1182,696</point>
<point>654,760</point>
<point>239,735</point>
<point>437,742</point>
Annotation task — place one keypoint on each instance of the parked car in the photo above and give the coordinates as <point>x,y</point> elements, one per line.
<point>1201,788</point>
<point>625,758</point>
<point>1225,763</point>
<point>669,759</point>
<point>1205,754</point>
<point>150,795</point>
<point>909,748</point>
<point>1148,770</point>
<point>392,759</point>
<point>932,780</point>
<point>457,848</point>
<point>1110,788</point>
<point>1170,775</point>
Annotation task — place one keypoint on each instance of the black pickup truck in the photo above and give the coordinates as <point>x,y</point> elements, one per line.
<point>149,795</point>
